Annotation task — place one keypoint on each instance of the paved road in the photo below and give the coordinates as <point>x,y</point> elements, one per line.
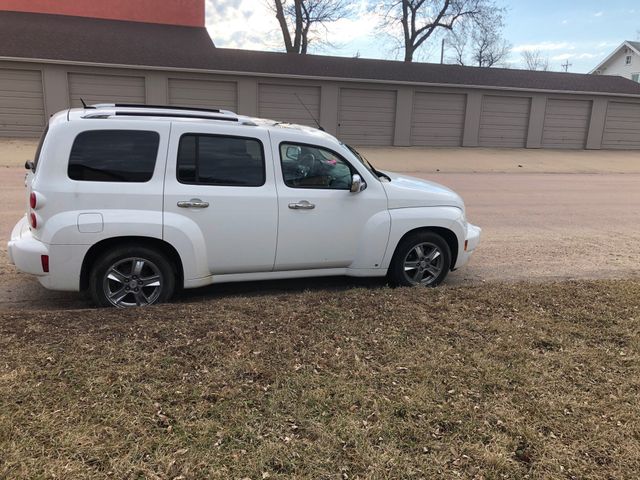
<point>537,227</point>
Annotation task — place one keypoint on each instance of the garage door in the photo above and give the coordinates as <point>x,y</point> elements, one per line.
<point>203,93</point>
<point>622,126</point>
<point>286,103</point>
<point>504,121</point>
<point>438,119</point>
<point>21,103</point>
<point>105,89</point>
<point>566,123</point>
<point>367,117</point>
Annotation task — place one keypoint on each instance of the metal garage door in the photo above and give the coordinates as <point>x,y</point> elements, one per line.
<point>438,119</point>
<point>203,93</point>
<point>105,89</point>
<point>566,123</point>
<point>622,126</point>
<point>504,121</point>
<point>285,103</point>
<point>21,103</point>
<point>367,117</point>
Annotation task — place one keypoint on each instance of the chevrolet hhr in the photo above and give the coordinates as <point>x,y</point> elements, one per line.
<point>132,202</point>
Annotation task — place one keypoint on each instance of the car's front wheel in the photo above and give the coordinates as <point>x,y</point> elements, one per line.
<point>131,277</point>
<point>422,258</point>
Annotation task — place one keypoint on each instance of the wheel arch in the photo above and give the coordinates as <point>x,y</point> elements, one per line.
<point>148,242</point>
<point>448,235</point>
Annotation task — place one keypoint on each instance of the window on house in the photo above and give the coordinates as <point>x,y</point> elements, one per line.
<point>636,77</point>
<point>628,60</point>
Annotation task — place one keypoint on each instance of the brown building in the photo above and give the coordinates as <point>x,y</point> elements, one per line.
<point>48,62</point>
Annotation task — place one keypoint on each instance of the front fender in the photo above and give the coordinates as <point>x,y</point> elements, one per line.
<point>404,220</point>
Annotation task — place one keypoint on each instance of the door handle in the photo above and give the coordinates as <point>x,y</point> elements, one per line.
<point>193,203</point>
<point>302,205</point>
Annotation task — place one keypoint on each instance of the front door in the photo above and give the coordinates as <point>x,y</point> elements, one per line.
<point>219,187</point>
<point>322,224</point>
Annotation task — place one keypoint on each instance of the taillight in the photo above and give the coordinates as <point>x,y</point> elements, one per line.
<point>33,220</point>
<point>45,263</point>
<point>33,200</point>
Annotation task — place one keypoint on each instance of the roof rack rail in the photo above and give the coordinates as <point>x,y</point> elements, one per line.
<point>173,115</point>
<point>167,107</point>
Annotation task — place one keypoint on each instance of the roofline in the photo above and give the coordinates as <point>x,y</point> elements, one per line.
<point>307,77</point>
<point>623,44</point>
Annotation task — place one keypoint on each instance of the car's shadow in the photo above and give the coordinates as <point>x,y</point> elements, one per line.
<point>271,287</point>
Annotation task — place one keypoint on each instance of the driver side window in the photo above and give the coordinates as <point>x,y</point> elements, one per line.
<point>306,166</point>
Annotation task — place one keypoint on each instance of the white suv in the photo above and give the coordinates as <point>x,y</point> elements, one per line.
<point>133,202</point>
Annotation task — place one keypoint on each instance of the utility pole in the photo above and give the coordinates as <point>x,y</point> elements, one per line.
<point>442,53</point>
<point>565,66</point>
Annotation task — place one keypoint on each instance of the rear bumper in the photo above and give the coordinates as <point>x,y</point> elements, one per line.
<point>65,261</point>
<point>25,252</point>
<point>471,242</point>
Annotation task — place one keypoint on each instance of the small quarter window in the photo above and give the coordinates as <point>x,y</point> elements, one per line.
<point>221,160</point>
<point>114,156</point>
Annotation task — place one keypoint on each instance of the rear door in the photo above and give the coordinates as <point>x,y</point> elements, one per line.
<point>219,184</point>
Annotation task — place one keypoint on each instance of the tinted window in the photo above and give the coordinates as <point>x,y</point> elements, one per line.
<point>306,166</point>
<point>114,156</point>
<point>218,160</point>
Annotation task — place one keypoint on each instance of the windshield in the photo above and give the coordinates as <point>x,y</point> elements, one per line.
<point>366,162</point>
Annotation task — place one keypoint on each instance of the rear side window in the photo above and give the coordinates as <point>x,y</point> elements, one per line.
<point>114,156</point>
<point>221,160</point>
<point>36,159</point>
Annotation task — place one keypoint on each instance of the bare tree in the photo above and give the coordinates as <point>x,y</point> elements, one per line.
<point>534,60</point>
<point>300,20</point>
<point>420,19</point>
<point>480,42</point>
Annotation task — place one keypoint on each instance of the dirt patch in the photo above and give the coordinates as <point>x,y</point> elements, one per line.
<point>495,381</point>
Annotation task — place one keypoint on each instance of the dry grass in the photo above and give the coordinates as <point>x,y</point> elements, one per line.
<point>494,381</point>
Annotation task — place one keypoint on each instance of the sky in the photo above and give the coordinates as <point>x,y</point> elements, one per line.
<point>582,32</point>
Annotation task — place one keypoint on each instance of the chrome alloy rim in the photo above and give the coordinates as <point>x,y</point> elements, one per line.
<point>132,282</point>
<point>423,264</point>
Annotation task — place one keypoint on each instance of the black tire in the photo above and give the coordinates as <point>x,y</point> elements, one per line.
<point>406,254</point>
<point>131,268</point>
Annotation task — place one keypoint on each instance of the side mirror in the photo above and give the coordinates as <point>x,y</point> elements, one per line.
<point>357,184</point>
<point>29,165</point>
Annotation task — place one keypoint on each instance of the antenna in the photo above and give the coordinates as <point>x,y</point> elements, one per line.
<point>309,112</point>
<point>565,66</point>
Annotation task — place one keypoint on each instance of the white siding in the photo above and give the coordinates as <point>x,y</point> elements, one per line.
<point>21,103</point>
<point>286,103</point>
<point>203,93</point>
<point>105,89</point>
<point>367,117</point>
<point>438,119</point>
<point>504,121</point>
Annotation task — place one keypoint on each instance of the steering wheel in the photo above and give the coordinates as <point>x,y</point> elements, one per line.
<point>307,163</point>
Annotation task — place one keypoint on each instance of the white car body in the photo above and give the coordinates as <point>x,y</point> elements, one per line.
<point>246,233</point>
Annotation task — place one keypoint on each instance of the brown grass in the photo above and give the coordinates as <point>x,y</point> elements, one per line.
<point>487,382</point>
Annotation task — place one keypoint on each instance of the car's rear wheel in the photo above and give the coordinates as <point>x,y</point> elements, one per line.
<point>421,259</point>
<point>131,277</point>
